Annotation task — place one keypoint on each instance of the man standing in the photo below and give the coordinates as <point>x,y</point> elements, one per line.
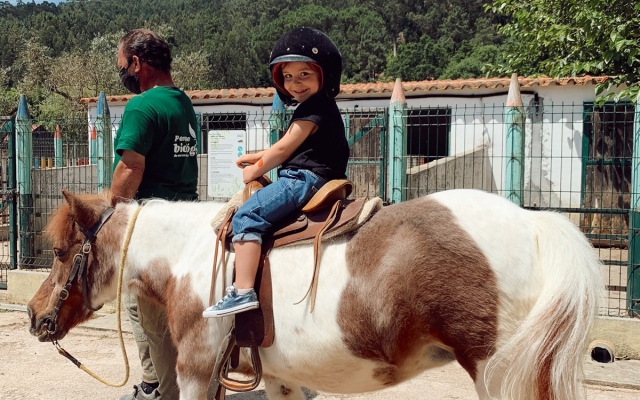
<point>156,152</point>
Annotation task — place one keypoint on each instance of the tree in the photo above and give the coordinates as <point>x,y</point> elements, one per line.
<point>8,97</point>
<point>469,63</point>
<point>191,71</point>
<point>235,62</point>
<point>394,14</point>
<point>573,38</point>
<point>69,50</point>
<point>32,67</point>
<point>418,60</point>
<point>360,35</point>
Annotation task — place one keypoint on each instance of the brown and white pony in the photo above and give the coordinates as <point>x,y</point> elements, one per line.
<point>460,275</point>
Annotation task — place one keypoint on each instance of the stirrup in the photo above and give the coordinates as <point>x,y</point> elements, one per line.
<point>221,369</point>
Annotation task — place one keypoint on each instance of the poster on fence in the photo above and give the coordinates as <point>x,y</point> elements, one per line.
<point>224,177</point>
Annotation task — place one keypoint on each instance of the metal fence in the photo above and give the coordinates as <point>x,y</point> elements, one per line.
<point>575,158</point>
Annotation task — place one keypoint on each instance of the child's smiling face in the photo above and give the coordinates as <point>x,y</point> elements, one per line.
<point>301,80</point>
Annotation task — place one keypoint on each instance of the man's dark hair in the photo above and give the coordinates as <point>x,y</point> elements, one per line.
<point>149,47</point>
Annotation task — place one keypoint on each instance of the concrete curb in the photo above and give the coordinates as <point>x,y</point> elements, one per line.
<point>13,307</point>
<point>616,385</point>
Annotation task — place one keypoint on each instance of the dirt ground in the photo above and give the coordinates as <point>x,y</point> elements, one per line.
<point>33,370</point>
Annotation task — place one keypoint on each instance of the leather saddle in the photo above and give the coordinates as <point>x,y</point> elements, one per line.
<point>318,212</point>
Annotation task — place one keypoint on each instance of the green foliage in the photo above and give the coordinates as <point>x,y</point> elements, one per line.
<point>418,61</point>
<point>191,71</point>
<point>469,63</point>
<point>57,54</point>
<point>8,96</point>
<point>573,38</point>
<point>358,30</point>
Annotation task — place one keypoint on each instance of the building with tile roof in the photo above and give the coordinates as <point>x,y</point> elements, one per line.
<point>446,119</point>
<point>378,94</point>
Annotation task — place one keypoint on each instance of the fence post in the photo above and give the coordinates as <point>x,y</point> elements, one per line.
<point>104,151</point>
<point>198,133</point>
<point>397,144</point>
<point>24,156</point>
<point>633,263</point>
<point>57,147</point>
<point>93,146</point>
<point>276,126</point>
<point>514,146</point>
<point>14,230</point>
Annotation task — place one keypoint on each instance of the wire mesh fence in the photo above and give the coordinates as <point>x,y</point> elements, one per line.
<point>576,159</point>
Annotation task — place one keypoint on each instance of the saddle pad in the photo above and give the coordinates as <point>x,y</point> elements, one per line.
<point>235,201</point>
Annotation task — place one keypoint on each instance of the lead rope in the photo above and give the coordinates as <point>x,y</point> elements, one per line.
<point>78,364</point>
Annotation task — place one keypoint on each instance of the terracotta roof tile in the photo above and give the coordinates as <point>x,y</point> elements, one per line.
<point>383,88</point>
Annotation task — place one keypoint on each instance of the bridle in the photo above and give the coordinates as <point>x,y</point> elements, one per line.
<point>79,269</point>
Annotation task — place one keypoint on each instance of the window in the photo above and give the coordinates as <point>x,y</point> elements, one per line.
<point>427,135</point>
<point>607,155</point>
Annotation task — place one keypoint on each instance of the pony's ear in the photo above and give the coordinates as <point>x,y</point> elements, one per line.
<point>68,196</point>
<point>82,212</point>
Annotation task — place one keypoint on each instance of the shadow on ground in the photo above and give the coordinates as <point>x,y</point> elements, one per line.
<point>262,395</point>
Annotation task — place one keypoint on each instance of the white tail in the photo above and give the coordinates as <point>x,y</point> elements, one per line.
<point>543,359</point>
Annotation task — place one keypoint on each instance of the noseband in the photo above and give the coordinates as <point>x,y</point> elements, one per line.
<point>80,269</point>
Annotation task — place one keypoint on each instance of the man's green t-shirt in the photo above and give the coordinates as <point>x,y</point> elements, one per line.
<point>161,125</point>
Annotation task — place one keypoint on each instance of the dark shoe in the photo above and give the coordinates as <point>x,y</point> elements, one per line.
<point>139,394</point>
<point>232,303</point>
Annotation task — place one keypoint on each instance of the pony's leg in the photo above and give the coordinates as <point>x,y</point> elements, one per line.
<point>192,388</point>
<point>277,389</point>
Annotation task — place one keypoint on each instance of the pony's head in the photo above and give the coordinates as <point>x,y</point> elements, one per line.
<point>79,275</point>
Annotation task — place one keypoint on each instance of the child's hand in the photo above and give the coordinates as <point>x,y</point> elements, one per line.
<point>249,174</point>
<point>247,159</point>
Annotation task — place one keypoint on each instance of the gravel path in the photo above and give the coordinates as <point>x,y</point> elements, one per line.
<point>32,370</point>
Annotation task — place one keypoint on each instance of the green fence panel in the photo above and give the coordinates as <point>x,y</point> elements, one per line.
<point>577,160</point>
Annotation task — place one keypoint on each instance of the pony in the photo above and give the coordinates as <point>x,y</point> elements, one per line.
<point>460,275</point>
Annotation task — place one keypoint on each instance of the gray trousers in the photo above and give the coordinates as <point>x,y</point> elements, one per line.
<point>157,353</point>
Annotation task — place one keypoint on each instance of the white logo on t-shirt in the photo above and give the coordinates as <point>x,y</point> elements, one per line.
<point>182,146</point>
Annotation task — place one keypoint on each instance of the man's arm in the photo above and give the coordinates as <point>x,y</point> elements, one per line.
<point>127,176</point>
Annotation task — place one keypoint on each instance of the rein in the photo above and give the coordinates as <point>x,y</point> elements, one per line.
<point>90,236</point>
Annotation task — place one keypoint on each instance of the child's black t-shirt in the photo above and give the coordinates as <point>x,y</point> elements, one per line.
<point>325,152</point>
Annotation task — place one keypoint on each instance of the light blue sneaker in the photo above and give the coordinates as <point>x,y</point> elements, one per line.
<point>232,303</point>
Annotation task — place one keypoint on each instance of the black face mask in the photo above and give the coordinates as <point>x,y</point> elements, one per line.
<point>130,81</point>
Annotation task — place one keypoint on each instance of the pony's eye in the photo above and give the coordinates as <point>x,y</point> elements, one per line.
<point>59,253</point>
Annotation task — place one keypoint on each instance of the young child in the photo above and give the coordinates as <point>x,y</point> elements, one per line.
<point>305,67</point>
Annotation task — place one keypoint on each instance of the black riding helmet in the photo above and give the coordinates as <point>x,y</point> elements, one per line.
<point>307,45</point>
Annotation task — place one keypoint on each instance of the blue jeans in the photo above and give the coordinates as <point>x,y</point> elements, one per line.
<point>274,202</point>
